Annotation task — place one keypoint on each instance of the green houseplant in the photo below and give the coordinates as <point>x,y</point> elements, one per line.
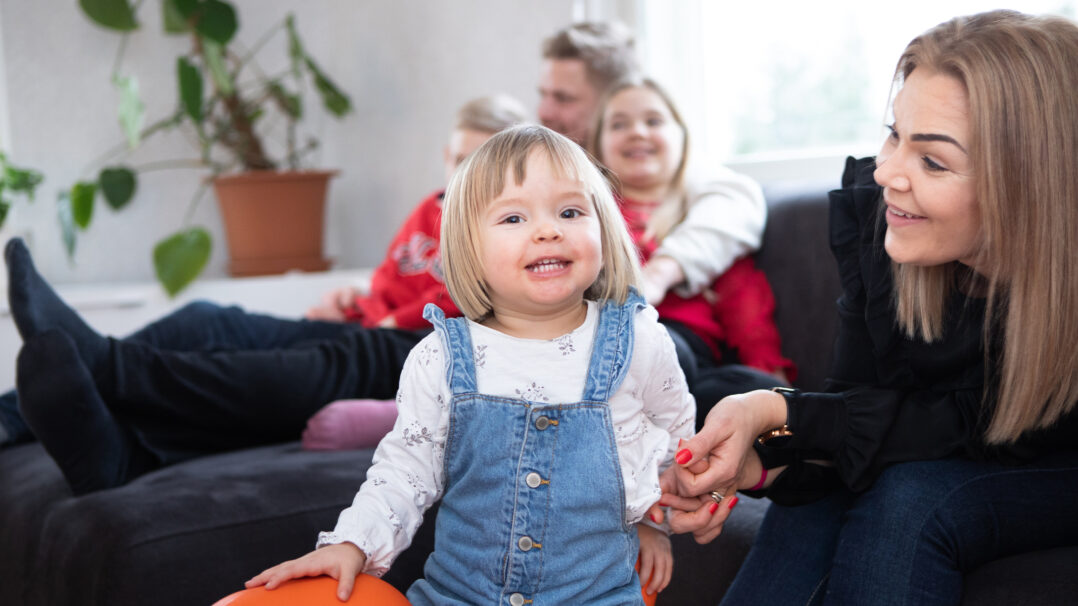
<point>15,180</point>
<point>225,99</point>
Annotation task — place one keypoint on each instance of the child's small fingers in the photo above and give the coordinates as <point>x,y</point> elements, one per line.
<point>674,501</point>
<point>656,582</point>
<point>344,586</point>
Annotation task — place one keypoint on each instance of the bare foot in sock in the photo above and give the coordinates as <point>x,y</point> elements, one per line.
<point>37,308</point>
<point>61,405</point>
<point>350,424</point>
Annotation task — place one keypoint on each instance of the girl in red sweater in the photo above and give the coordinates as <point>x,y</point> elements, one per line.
<point>726,335</point>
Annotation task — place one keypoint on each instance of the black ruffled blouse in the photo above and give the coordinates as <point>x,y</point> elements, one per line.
<point>891,398</point>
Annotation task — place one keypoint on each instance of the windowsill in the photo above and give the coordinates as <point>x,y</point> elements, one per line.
<point>120,308</point>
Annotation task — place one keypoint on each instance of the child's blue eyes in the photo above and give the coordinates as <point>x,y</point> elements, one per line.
<point>512,219</point>
<point>570,213</point>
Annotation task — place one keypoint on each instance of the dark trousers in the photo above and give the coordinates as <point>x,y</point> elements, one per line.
<point>910,538</point>
<point>208,379</point>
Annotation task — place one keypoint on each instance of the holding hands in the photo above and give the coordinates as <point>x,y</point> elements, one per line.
<point>714,464</point>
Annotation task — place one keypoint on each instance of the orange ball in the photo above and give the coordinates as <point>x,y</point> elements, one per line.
<point>318,591</point>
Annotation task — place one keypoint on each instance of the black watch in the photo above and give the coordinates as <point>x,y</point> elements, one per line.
<point>780,436</point>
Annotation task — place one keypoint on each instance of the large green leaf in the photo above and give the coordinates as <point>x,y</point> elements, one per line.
<point>186,8</point>
<point>132,111</point>
<point>179,258</point>
<point>118,186</point>
<point>82,203</point>
<point>289,103</point>
<point>67,222</point>
<point>113,14</point>
<point>215,61</point>
<point>175,18</point>
<point>22,180</point>
<point>335,101</point>
<point>217,21</point>
<point>190,84</point>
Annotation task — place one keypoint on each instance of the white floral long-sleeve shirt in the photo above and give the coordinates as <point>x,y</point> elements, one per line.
<point>650,411</point>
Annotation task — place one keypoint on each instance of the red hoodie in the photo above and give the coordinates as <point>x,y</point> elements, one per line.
<point>738,309</point>
<point>411,274</point>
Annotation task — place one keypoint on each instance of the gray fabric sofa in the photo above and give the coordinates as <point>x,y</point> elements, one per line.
<point>192,533</point>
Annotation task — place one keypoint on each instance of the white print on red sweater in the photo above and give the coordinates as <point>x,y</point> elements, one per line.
<point>419,255</point>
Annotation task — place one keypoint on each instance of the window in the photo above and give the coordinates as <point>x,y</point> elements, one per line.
<point>778,90</point>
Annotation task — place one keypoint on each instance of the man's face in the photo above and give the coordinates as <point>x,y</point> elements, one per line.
<point>567,101</point>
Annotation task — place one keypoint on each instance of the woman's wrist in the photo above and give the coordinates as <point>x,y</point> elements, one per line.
<point>771,411</point>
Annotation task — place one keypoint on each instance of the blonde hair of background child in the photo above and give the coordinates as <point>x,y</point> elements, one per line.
<point>483,177</point>
<point>491,114</point>
<point>676,203</point>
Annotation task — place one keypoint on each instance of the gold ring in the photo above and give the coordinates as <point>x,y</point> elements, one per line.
<point>716,496</point>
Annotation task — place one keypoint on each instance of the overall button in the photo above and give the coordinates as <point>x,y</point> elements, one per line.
<point>525,543</point>
<point>542,423</point>
<point>516,599</point>
<point>533,480</point>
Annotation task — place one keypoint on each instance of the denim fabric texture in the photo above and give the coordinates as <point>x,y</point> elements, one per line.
<point>534,505</point>
<point>910,538</point>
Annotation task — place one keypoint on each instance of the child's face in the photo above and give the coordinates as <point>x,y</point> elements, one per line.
<point>462,142</point>
<point>641,141</point>
<point>541,243</point>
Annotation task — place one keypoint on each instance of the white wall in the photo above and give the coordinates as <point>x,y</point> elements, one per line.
<point>407,65</point>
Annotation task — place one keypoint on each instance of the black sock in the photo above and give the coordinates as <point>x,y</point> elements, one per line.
<point>37,308</point>
<point>61,405</point>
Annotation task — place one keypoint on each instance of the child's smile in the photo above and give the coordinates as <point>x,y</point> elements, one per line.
<point>541,246</point>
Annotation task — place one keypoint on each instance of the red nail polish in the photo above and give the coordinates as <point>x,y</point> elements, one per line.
<point>683,456</point>
<point>733,502</point>
<point>655,518</point>
<point>713,508</point>
<point>661,504</point>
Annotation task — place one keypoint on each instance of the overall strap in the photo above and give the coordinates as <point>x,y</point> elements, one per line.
<point>457,343</point>
<point>613,347</point>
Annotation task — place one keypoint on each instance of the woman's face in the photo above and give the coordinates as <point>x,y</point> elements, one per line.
<point>933,216</point>
<point>641,141</point>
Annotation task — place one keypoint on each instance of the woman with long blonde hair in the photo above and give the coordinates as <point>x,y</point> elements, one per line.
<point>948,434</point>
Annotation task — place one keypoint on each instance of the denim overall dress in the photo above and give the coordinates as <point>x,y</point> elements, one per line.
<point>534,505</point>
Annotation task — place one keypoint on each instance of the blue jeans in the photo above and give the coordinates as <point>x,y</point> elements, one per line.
<point>912,536</point>
<point>203,326</point>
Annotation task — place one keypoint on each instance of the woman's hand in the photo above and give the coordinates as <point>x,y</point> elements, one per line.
<point>720,458</point>
<point>343,561</point>
<point>656,558</point>
<point>334,304</point>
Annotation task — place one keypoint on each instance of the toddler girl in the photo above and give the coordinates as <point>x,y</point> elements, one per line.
<point>541,420</point>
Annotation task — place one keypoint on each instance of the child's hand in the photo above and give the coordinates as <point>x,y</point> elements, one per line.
<point>334,305</point>
<point>343,561</point>
<point>656,559</point>
<point>659,275</point>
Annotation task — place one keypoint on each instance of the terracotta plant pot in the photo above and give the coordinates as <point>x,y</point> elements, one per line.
<point>274,220</point>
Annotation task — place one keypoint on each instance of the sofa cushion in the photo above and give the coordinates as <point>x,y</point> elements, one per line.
<point>186,534</point>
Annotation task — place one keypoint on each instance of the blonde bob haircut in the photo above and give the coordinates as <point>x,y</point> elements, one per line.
<point>1021,76</point>
<point>484,175</point>
<point>675,206</point>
